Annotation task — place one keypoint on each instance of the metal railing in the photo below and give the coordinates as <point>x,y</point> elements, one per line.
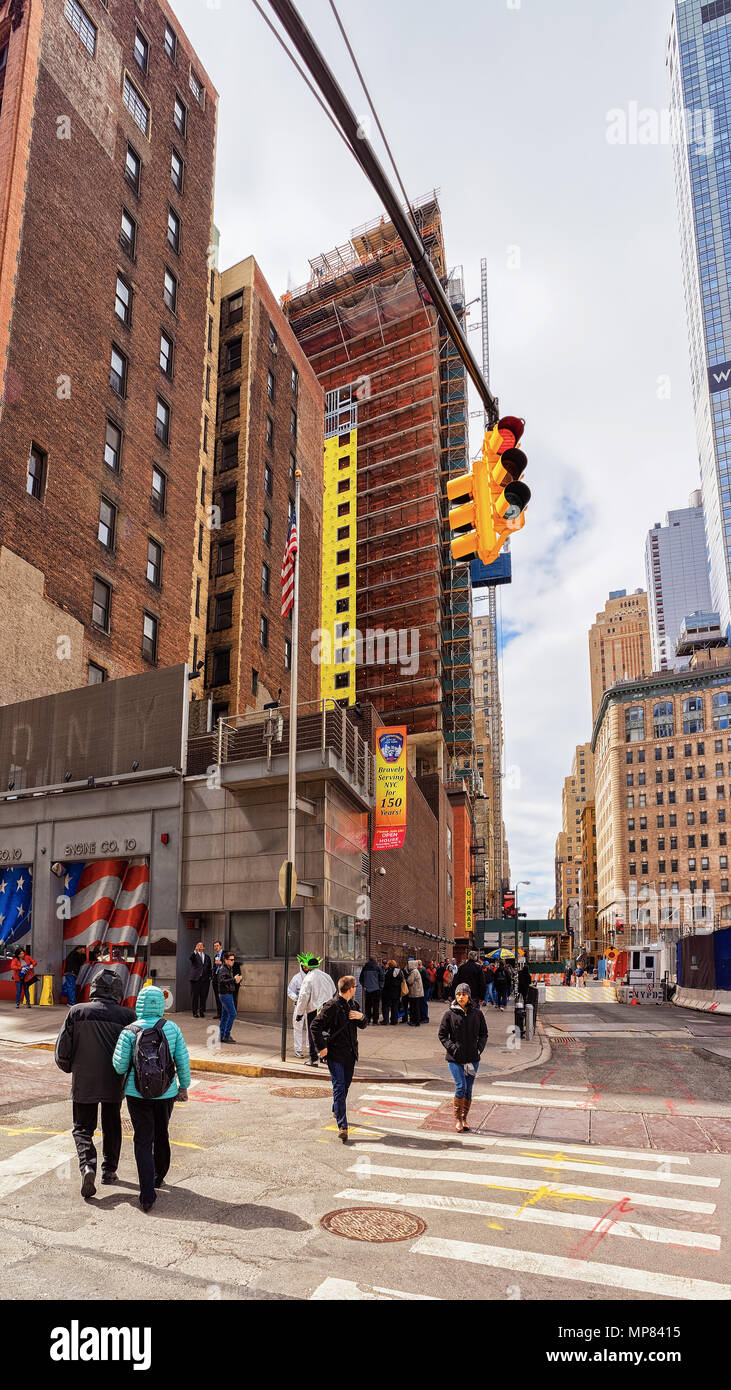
<point>265,734</point>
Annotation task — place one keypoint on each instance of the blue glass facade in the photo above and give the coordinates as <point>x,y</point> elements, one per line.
<point>699,66</point>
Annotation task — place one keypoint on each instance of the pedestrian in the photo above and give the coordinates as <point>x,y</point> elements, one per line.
<point>447,981</point>
<point>72,966</point>
<point>227,980</point>
<point>217,958</point>
<point>85,1048</point>
<point>426,984</point>
<point>372,979</point>
<point>151,1054</point>
<point>293,989</point>
<point>416,993</point>
<point>501,982</point>
<point>524,981</point>
<point>463,1035</point>
<point>317,989</point>
<point>335,1033</point>
<point>470,973</point>
<point>23,967</point>
<point>391,996</point>
<point>201,970</point>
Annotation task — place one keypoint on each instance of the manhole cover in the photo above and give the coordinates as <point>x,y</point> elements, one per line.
<point>301,1092</point>
<point>373,1223</point>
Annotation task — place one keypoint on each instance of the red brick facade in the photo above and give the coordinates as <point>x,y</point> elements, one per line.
<point>64,323</point>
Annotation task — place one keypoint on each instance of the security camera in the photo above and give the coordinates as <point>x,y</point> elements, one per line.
<point>382,872</point>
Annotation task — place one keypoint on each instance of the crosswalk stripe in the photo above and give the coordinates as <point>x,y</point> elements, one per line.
<point>662,1235</point>
<point>539,1085</point>
<point>346,1290</point>
<point>560,1164</point>
<point>547,1188</point>
<point>34,1161</point>
<point>395,1114</point>
<point>491,1141</point>
<point>423,1103</point>
<point>529,1262</point>
<point>497,1098</point>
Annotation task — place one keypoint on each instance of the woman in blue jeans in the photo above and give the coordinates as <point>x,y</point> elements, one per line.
<point>463,1034</point>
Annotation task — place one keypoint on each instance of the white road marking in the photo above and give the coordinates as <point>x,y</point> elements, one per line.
<point>538,1085</point>
<point>560,1164</point>
<point>662,1235</point>
<point>422,1104</point>
<point>529,1262</point>
<point>547,1103</point>
<point>396,1114</point>
<point>491,1141</point>
<point>345,1289</point>
<point>34,1162</point>
<point>547,1188</point>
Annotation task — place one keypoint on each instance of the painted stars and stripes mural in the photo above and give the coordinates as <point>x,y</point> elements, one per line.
<point>16,900</point>
<point>108,907</point>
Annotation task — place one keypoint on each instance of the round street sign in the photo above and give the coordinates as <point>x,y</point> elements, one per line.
<point>283,883</point>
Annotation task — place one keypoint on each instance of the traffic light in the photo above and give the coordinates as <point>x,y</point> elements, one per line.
<point>508,904</point>
<point>493,498</point>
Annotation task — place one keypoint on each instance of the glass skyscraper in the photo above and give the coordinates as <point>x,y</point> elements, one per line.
<point>699,66</point>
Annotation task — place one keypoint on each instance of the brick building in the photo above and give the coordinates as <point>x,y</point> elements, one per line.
<point>107,141</point>
<point>269,421</point>
<point>619,643</point>
<point>662,758</point>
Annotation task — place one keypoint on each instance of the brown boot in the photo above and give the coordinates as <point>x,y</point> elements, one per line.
<point>458,1114</point>
<point>465,1112</point>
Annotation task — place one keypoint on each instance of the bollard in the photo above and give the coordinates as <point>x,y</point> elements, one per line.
<point>46,991</point>
<point>528,1022</point>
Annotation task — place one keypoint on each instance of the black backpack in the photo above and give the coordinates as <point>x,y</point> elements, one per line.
<point>153,1065</point>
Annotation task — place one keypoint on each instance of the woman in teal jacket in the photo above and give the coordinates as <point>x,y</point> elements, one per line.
<point>150,1118</point>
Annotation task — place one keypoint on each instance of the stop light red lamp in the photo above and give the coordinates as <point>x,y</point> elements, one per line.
<point>493,497</point>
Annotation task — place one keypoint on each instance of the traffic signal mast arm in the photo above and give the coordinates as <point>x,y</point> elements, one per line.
<point>494,499</point>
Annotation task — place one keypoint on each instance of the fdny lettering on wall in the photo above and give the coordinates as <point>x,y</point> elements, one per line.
<point>12,9</point>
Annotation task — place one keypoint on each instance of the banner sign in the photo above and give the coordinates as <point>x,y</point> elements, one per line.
<point>390,817</point>
<point>468,910</point>
<point>719,378</point>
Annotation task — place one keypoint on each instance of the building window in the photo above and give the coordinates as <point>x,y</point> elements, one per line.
<point>171,43</point>
<point>97,674</point>
<point>142,51</point>
<point>292,466</point>
<point>343,486</point>
<point>196,87</point>
<point>267,529</point>
<point>273,338</point>
<point>295,382</point>
<point>233,355</point>
<point>270,385</point>
<point>231,403</point>
<point>223,612</point>
<point>35,482</point>
<point>173,229</point>
<point>342,581</point>
<point>170,291</point>
<point>254,681</point>
<point>293,423</point>
<point>236,307</point>
<point>226,557</point>
<point>342,680</point>
<point>229,452</point>
<point>136,105</point>
<point>180,116</point>
<point>449,885</point>
<point>197,600</point>
<point>118,372</point>
<point>342,557</point>
<point>133,168</point>
<point>128,234</point>
<point>101,604</point>
<point>693,715</point>
<point>166,354</point>
<point>113,446</point>
<point>177,168</point>
<point>342,605</point>
<point>159,490</point>
<point>721,710</point>
<point>81,25</point>
<point>154,563</point>
<point>200,541</point>
<point>162,421</point>
<point>107,520</point>
<point>227,504</point>
<point>263,631</point>
<point>150,632</point>
<point>123,301</point>
<point>268,480</point>
<point>221,666</point>
<point>270,432</point>
<point>634,723</point>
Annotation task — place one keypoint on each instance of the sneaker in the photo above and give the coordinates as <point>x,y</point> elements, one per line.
<point>343,1134</point>
<point>88,1186</point>
<point>310,1063</point>
<point>108,1178</point>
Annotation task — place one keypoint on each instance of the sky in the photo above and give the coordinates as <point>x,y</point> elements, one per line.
<point>506,107</point>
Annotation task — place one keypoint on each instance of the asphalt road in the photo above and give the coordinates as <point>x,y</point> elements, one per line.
<point>588,1178</point>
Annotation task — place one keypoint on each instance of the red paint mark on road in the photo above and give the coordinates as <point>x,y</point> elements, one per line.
<point>602,1228</point>
<point>550,1074</point>
<point>210,1096</point>
<point>671,1107</point>
<point>642,1088</point>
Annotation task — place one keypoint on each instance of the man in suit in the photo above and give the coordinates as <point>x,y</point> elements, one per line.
<point>217,958</point>
<point>201,970</point>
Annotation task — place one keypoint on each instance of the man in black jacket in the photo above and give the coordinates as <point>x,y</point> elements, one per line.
<point>201,970</point>
<point>471,973</point>
<point>334,1031</point>
<point>85,1047</point>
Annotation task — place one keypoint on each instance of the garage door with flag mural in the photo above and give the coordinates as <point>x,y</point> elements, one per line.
<point>107,915</point>
<point>16,900</point>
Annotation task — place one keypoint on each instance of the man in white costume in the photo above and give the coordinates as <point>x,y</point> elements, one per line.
<point>316,989</point>
<point>293,989</point>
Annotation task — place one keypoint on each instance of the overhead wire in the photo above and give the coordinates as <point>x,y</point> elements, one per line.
<point>304,76</point>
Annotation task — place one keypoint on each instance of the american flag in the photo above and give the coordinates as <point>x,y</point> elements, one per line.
<point>288,563</point>
<point>109,907</point>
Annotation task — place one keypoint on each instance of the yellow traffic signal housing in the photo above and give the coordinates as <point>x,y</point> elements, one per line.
<point>495,499</point>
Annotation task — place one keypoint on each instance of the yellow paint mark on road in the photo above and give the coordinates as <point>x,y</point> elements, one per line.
<point>372,1133</point>
<point>493,1226</point>
<point>181,1144</point>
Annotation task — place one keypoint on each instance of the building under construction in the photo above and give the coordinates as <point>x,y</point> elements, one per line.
<point>396,399</point>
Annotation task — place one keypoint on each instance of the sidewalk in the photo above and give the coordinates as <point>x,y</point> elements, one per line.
<point>400,1054</point>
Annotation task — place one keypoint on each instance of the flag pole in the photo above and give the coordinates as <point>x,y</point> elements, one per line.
<point>292,765</point>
